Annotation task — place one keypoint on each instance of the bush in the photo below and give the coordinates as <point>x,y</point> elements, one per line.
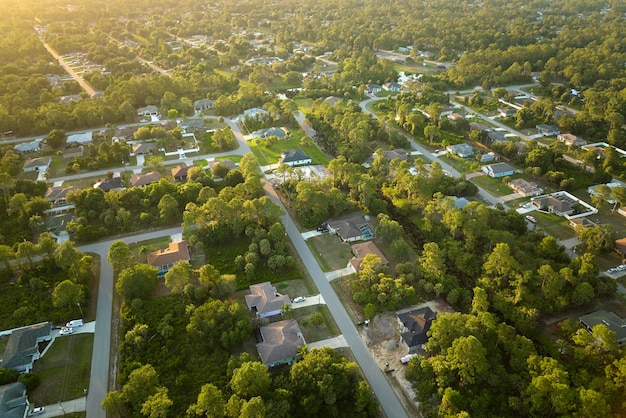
<point>30,380</point>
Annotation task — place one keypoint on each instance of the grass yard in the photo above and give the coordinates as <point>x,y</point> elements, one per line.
<point>616,221</point>
<point>463,165</point>
<point>234,158</point>
<point>553,225</point>
<point>493,186</point>
<point>304,104</point>
<point>64,370</point>
<point>268,156</point>
<point>141,249</point>
<point>311,332</point>
<point>295,288</point>
<point>330,252</point>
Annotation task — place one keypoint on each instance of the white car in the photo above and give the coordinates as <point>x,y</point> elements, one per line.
<point>530,218</point>
<point>66,331</point>
<point>36,411</point>
<point>299,299</point>
<point>74,323</point>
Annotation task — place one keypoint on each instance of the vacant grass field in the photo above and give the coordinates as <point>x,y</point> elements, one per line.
<point>493,186</point>
<point>463,165</point>
<point>64,370</point>
<point>235,158</point>
<point>330,252</point>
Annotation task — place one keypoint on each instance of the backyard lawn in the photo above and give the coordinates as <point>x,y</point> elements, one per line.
<point>330,252</point>
<point>553,225</point>
<point>311,332</point>
<point>64,370</point>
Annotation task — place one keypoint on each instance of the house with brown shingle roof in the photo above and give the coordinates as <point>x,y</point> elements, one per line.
<point>281,342</point>
<point>144,148</point>
<point>265,300</point>
<point>163,260</point>
<point>180,173</point>
<point>362,249</point>
<point>142,180</point>
<point>525,188</point>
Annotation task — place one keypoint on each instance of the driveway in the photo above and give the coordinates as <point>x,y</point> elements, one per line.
<point>309,301</point>
<point>63,408</point>
<point>335,342</point>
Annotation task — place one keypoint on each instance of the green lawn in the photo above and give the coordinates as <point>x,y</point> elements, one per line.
<point>493,186</point>
<point>315,333</point>
<point>268,156</point>
<point>64,370</point>
<point>463,165</point>
<point>553,225</point>
<point>330,252</point>
<point>304,104</point>
<point>235,158</point>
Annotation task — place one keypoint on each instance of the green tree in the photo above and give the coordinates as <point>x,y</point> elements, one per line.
<point>220,323</point>
<point>67,294</point>
<point>250,380</point>
<point>178,276</point>
<point>210,402</point>
<point>136,281</point>
<point>119,255</point>
<point>56,138</point>
<point>142,383</point>
<point>157,405</point>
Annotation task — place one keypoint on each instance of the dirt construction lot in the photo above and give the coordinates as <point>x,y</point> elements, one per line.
<point>382,337</point>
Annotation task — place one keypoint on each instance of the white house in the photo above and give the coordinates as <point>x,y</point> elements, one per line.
<point>294,157</point>
<point>265,300</point>
<point>498,170</point>
<point>37,164</point>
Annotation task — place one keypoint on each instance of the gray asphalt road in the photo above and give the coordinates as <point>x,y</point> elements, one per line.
<point>374,375</point>
<point>100,358</point>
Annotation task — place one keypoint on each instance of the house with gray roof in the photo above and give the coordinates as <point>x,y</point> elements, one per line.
<point>461,150</point>
<point>108,184</point>
<point>497,136</point>
<point>392,86</point>
<point>525,188</point>
<point>498,170</point>
<point>265,300</point>
<point>37,164</point>
<point>281,342</point>
<point>414,326</point>
<point>13,400</point>
<point>357,228</point>
<point>612,322</point>
<point>294,157</point>
<point>280,133</point>
<point>83,138</point>
<point>32,146</point>
<point>202,104</point>
<point>547,130</point>
<point>24,345</point>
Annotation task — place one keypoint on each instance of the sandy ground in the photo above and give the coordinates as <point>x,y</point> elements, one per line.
<point>382,337</point>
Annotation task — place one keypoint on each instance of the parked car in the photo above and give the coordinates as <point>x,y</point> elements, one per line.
<point>66,331</point>
<point>611,270</point>
<point>36,411</point>
<point>530,218</point>
<point>74,323</point>
<point>299,299</point>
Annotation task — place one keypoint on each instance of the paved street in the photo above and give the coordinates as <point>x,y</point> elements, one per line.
<point>376,378</point>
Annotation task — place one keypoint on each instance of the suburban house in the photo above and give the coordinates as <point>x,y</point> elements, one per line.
<point>547,130</point>
<point>413,328</point>
<point>497,136</point>
<point>13,400</point>
<point>163,260</point>
<point>73,152</point>
<point>582,223</point>
<point>24,345</point>
<point>254,113</point>
<point>26,147</point>
<point>506,112</point>
<point>593,190</point>
<point>362,249</point>
<point>620,246</point>
<point>372,88</point>
<point>461,150</point>
<point>37,164</point>
<point>399,153</point>
<point>57,196</point>
<point>455,117</point>
<point>148,111</point>
<point>352,229</point>
<point>281,342</point>
<point>559,205</point>
<point>142,180</point>
<point>83,138</point>
<point>332,100</point>
<point>460,202</point>
<point>498,170</point>
<point>525,188</point>
<point>202,104</point>
<point>265,300</point>
<point>108,184</point>
<point>281,133</point>
<point>488,157</point>
<point>145,148</point>
<point>571,140</point>
<point>228,163</point>
<point>294,157</point>
<point>612,322</point>
<point>392,86</point>
<point>180,173</point>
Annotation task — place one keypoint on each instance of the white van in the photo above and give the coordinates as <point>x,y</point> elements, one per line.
<point>75,323</point>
